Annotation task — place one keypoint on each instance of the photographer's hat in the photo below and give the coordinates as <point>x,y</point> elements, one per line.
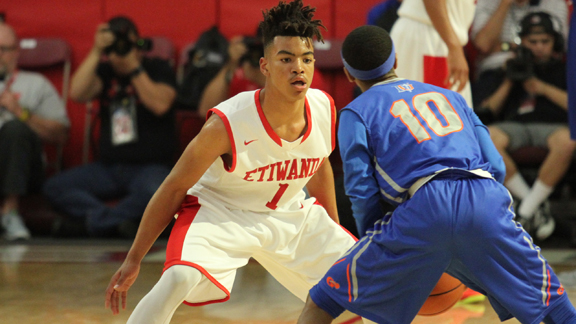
<point>537,23</point>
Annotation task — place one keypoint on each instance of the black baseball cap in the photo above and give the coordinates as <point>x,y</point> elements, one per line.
<point>537,23</point>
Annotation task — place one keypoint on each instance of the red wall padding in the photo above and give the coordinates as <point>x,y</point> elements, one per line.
<point>179,20</point>
<point>242,17</point>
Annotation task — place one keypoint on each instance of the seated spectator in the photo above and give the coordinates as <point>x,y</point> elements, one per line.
<point>137,136</point>
<point>495,31</point>
<point>241,73</point>
<point>533,107</point>
<point>31,112</point>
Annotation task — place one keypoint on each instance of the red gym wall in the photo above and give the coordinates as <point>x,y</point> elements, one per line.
<point>180,20</point>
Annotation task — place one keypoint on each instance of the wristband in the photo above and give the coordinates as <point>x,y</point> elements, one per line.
<point>136,72</point>
<point>25,115</point>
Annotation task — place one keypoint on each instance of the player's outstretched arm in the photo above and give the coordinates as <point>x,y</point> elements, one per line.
<point>203,150</point>
<point>321,186</point>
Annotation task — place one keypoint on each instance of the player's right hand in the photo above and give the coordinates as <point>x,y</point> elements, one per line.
<point>121,281</point>
<point>457,70</point>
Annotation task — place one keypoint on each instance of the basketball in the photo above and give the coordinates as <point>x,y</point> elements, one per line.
<point>447,292</point>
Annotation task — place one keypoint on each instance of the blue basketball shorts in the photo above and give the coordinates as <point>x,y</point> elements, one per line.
<point>464,227</point>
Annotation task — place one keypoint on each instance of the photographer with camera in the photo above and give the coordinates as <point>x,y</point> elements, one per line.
<point>240,73</point>
<point>531,103</point>
<point>495,28</point>
<point>137,135</point>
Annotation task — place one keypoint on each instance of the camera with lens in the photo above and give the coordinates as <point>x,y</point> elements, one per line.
<point>521,67</point>
<point>254,51</point>
<point>123,44</point>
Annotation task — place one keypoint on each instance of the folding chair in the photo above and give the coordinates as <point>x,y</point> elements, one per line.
<point>163,48</point>
<point>39,54</point>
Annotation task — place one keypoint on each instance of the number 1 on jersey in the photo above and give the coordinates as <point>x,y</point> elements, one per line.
<point>401,109</point>
<point>274,203</point>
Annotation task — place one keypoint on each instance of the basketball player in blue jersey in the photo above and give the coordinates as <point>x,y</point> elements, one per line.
<point>421,148</point>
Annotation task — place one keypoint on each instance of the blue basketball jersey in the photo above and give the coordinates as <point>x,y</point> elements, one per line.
<point>426,129</point>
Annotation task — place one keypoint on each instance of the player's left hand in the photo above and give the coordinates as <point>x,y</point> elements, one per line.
<point>457,70</point>
<point>121,281</point>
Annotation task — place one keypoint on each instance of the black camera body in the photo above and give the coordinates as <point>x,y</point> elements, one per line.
<point>521,67</point>
<point>122,44</point>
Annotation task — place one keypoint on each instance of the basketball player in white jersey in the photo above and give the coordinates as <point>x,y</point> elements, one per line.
<point>429,36</point>
<point>237,190</point>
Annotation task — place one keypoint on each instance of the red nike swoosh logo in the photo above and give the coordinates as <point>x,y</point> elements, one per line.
<point>248,142</point>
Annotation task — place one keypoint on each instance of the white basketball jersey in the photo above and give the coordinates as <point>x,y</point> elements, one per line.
<point>267,173</point>
<point>460,13</point>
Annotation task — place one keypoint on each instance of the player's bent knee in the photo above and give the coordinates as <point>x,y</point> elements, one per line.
<point>181,277</point>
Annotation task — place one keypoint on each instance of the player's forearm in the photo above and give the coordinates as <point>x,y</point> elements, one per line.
<point>438,14</point>
<point>366,211</point>
<point>158,214</point>
<point>321,186</point>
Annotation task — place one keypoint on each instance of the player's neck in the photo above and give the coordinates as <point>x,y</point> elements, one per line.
<point>286,117</point>
<point>365,85</point>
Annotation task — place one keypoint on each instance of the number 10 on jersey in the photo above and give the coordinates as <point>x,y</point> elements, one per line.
<point>421,102</point>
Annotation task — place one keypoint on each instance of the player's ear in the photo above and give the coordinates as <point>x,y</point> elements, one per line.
<point>350,77</point>
<point>395,62</point>
<point>264,66</point>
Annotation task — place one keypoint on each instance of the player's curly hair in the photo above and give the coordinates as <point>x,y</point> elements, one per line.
<point>290,19</point>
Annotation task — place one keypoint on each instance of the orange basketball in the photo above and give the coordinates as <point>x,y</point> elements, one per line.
<point>447,292</point>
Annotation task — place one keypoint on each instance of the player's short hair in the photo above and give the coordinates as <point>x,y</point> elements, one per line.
<point>366,49</point>
<point>290,19</point>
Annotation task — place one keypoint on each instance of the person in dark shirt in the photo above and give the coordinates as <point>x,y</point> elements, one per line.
<point>137,135</point>
<point>531,105</point>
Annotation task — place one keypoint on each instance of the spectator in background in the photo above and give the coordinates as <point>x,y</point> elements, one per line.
<point>533,101</point>
<point>384,14</point>
<point>495,34</point>
<point>137,136</point>
<point>440,29</point>
<point>31,112</point>
<point>568,278</point>
<point>241,73</point>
